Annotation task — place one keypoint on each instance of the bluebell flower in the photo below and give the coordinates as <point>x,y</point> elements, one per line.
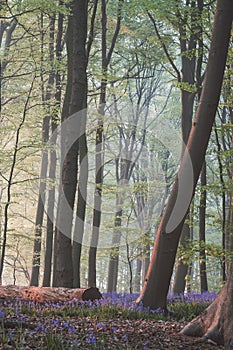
<point>41,327</point>
<point>56,322</point>
<point>10,336</point>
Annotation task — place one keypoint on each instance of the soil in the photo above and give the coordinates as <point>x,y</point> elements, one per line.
<point>47,328</point>
<point>116,333</point>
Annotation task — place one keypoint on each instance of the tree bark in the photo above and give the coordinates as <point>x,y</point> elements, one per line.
<point>46,98</point>
<point>181,270</point>
<point>190,70</point>
<point>202,214</point>
<point>53,160</point>
<point>216,322</point>
<point>114,255</point>
<point>99,151</point>
<point>77,95</point>
<point>155,288</point>
<point>81,209</point>
<point>48,294</point>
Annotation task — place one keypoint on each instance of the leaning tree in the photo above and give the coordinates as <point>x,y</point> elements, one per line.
<point>217,321</point>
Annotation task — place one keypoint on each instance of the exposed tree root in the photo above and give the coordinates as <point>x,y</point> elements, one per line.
<point>216,322</point>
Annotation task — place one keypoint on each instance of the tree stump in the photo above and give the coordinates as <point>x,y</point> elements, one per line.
<point>48,294</point>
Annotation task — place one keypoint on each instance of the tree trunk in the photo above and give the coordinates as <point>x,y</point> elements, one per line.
<point>189,68</point>
<point>81,208</point>
<point>114,255</point>
<point>53,161</point>
<point>137,277</point>
<point>202,214</point>
<point>216,322</point>
<point>155,288</point>
<point>181,270</point>
<point>48,294</point>
<point>145,261</point>
<point>63,265</point>
<point>46,98</point>
<point>99,150</point>
<point>34,281</point>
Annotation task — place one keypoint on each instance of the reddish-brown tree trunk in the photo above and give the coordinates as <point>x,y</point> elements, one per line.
<point>155,288</point>
<point>216,322</point>
<point>48,294</point>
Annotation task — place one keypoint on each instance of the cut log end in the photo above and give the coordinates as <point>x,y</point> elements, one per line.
<point>91,293</point>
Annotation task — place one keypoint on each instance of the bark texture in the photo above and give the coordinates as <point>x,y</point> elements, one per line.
<point>76,99</point>
<point>48,294</point>
<point>216,322</point>
<point>155,288</point>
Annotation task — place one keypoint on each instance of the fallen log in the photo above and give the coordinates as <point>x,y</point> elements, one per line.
<point>48,294</point>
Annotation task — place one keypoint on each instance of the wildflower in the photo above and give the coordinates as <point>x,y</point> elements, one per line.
<point>91,339</point>
<point>125,338</point>
<point>10,337</point>
<point>41,327</point>
<point>56,322</point>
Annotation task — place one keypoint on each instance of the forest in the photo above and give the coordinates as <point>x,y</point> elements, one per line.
<point>116,163</point>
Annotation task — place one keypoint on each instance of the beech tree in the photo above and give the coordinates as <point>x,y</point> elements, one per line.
<point>46,98</point>
<point>189,27</point>
<point>156,285</point>
<point>75,101</point>
<point>99,153</point>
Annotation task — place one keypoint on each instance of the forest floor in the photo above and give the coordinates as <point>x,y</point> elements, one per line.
<point>37,332</point>
<point>114,322</point>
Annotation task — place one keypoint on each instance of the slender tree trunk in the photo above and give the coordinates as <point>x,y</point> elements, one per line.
<point>99,156</point>
<point>64,116</point>
<point>190,269</point>
<point>44,163</point>
<point>99,151</point>
<point>155,289</point>
<point>7,29</point>
<point>137,277</point>
<point>10,180</point>
<point>34,281</point>
<point>181,270</point>
<point>146,260</point>
<point>53,161</point>
<point>81,208</point>
<point>202,214</point>
<point>189,69</point>
<point>114,255</point>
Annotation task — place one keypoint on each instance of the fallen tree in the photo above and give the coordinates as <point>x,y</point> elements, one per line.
<point>48,294</point>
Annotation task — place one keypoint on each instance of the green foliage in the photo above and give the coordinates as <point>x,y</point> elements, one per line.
<point>186,311</point>
<point>191,250</point>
